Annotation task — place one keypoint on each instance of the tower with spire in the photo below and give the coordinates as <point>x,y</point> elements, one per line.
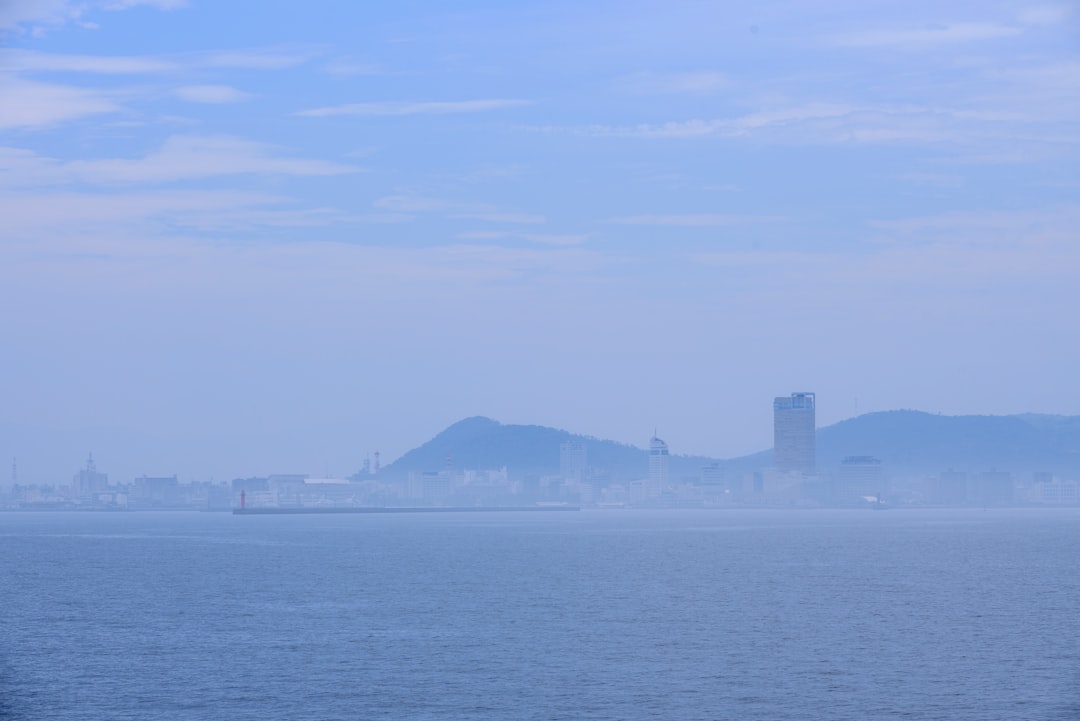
<point>88,481</point>
<point>658,467</point>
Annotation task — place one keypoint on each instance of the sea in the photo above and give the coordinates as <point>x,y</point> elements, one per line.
<point>599,614</point>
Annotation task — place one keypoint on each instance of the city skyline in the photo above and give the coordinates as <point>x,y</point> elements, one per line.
<point>519,466</point>
<point>795,452</point>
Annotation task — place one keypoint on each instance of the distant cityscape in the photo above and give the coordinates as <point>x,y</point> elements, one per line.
<point>793,479</point>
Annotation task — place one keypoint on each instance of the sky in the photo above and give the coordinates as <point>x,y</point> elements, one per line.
<point>241,238</point>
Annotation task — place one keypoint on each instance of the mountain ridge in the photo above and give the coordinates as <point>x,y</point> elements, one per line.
<point>908,442</point>
<point>479,442</point>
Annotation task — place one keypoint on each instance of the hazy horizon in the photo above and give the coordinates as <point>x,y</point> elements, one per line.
<point>124,460</point>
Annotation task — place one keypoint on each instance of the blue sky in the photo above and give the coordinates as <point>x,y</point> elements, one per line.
<point>241,238</point>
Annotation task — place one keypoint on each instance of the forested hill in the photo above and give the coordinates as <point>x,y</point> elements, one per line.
<point>917,443</point>
<point>525,450</point>
<point>906,441</point>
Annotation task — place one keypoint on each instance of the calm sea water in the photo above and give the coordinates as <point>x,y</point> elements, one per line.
<point>942,614</point>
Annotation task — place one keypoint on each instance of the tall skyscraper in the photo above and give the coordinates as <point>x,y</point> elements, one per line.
<point>572,460</point>
<point>794,435</point>
<point>658,467</point>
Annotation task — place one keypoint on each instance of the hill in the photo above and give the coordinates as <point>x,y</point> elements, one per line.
<point>526,450</point>
<point>908,442</point>
<point>917,442</point>
<point>913,443</point>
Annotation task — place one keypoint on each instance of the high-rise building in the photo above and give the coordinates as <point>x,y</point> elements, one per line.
<point>794,436</point>
<point>572,460</point>
<point>89,481</point>
<point>658,467</point>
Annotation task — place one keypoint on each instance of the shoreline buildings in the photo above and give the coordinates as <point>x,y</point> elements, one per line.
<point>519,465</point>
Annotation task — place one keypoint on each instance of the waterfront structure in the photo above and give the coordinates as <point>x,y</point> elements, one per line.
<point>1051,490</point>
<point>157,490</point>
<point>712,476</point>
<point>431,487</point>
<point>717,484</point>
<point>992,488</point>
<point>794,434</point>
<point>950,488</point>
<point>658,467</point>
<point>860,479</point>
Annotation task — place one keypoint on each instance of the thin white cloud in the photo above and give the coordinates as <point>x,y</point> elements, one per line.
<point>516,218</point>
<point>15,13</point>
<point>159,4</point>
<point>215,94</point>
<point>412,204</point>
<point>251,59</point>
<point>693,220</point>
<point>726,127</point>
<point>691,83</point>
<point>35,215</point>
<point>24,168</point>
<point>1058,81</point>
<point>30,104</point>
<point>927,36</point>
<point>29,61</point>
<point>41,216</point>
<point>421,108</point>
<point>192,156</point>
<point>936,180</point>
<point>182,157</point>
<point>1009,228</point>
<point>1045,14</point>
<point>1020,116</point>
<point>728,259</point>
<point>245,219</point>
<point>345,68</point>
<point>563,240</point>
<point>483,235</point>
<point>512,262</point>
<point>483,212</point>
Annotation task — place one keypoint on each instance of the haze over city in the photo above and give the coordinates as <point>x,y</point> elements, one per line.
<point>487,360</point>
<point>241,238</point>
